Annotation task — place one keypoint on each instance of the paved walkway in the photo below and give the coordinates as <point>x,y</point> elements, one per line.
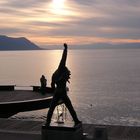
<point>18,136</point>
<point>31,130</point>
<point>20,130</point>
<point>21,95</point>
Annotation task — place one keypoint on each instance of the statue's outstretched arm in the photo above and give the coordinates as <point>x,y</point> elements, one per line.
<point>62,63</point>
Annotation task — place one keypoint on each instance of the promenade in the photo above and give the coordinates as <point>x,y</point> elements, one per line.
<point>11,129</point>
<point>31,130</point>
<point>14,101</point>
<point>21,95</point>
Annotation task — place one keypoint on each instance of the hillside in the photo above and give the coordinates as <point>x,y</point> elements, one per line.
<point>21,43</point>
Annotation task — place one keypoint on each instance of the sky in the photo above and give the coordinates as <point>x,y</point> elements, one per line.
<point>52,22</point>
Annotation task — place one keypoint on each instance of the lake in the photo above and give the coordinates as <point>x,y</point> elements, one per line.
<point>104,85</point>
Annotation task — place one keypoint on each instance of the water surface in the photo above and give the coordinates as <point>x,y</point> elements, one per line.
<point>105,83</point>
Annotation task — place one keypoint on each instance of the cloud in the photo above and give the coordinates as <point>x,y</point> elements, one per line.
<point>23,4</point>
<point>81,18</point>
<point>5,31</point>
<point>86,2</point>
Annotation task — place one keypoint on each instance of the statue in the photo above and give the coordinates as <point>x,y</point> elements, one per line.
<point>43,82</point>
<point>59,80</point>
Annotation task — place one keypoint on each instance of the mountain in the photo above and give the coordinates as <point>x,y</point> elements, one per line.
<point>107,46</point>
<point>97,46</point>
<point>21,43</point>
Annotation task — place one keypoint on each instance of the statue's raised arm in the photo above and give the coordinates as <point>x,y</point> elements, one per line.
<point>61,67</point>
<point>62,63</point>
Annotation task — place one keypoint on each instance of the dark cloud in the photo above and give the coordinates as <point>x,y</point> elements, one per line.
<point>10,11</point>
<point>92,32</point>
<point>122,22</point>
<point>7,31</point>
<point>86,2</point>
<point>46,24</point>
<point>24,3</point>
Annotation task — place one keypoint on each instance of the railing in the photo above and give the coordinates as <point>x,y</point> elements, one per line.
<point>7,87</point>
<point>19,87</point>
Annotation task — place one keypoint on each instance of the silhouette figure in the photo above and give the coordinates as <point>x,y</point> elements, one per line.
<point>59,79</point>
<point>43,82</point>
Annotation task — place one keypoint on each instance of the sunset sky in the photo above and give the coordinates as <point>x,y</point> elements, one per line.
<point>50,22</point>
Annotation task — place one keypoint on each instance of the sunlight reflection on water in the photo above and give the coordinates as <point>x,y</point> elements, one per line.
<point>104,84</point>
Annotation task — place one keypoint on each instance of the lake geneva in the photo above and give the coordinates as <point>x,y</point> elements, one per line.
<point>104,85</point>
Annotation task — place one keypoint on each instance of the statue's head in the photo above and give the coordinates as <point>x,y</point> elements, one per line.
<point>66,73</point>
<point>65,45</point>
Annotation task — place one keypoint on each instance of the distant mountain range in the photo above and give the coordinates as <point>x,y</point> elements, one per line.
<point>107,46</point>
<point>97,46</point>
<point>21,43</point>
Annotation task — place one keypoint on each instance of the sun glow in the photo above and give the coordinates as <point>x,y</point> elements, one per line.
<point>58,7</point>
<point>58,3</point>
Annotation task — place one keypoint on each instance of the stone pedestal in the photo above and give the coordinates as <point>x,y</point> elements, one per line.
<point>62,132</point>
<point>100,133</point>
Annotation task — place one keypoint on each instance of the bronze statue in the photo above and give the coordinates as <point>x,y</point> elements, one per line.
<point>43,82</point>
<point>59,79</point>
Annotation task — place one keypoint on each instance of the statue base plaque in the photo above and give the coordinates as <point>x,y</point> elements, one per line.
<point>62,132</point>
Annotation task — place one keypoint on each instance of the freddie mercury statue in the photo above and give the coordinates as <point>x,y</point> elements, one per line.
<point>59,80</point>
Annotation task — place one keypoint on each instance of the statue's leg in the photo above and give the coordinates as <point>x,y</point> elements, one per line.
<point>71,109</point>
<point>51,109</point>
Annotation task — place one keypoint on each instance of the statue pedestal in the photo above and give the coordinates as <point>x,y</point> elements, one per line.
<point>62,132</point>
<point>100,133</point>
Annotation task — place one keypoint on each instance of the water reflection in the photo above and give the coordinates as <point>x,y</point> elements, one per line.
<point>25,68</point>
<point>107,79</point>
